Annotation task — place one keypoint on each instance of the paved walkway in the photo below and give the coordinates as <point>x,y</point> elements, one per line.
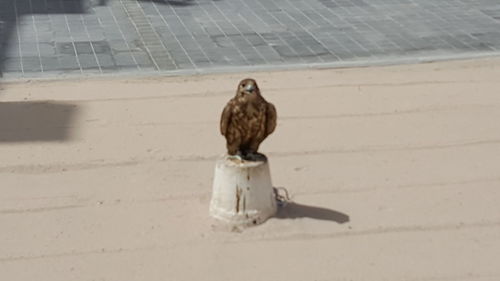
<point>47,37</point>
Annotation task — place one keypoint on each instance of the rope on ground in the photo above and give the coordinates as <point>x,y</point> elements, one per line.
<point>282,196</point>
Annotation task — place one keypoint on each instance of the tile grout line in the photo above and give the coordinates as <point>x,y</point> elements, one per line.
<point>71,37</point>
<point>158,38</point>
<point>82,20</point>
<point>36,35</point>
<point>278,36</point>
<point>335,39</point>
<point>121,34</point>
<point>397,34</point>
<point>259,35</point>
<point>176,39</point>
<point>359,45</point>
<point>295,36</point>
<point>308,32</point>
<point>18,37</point>
<point>139,32</point>
<point>300,11</point>
<point>143,27</point>
<point>239,31</point>
<point>203,28</point>
<point>190,34</point>
<point>225,35</point>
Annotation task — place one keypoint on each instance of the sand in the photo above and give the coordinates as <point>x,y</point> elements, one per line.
<point>394,174</point>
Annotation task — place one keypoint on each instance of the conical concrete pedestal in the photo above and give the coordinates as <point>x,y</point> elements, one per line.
<point>242,192</point>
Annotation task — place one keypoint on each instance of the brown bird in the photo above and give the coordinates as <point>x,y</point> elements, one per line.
<point>247,120</point>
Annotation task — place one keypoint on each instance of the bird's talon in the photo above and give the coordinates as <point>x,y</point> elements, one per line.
<point>235,157</point>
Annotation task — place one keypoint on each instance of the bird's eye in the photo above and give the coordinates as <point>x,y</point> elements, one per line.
<point>242,85</point>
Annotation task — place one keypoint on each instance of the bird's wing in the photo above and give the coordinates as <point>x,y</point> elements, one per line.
<point>225,118</point>
<point>271,118</point>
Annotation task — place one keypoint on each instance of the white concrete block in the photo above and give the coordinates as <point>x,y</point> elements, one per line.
<point>242,192</point>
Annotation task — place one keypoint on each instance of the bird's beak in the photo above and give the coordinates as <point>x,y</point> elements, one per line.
<point>250,88</point>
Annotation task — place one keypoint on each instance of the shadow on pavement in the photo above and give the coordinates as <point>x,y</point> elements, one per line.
<point>36,121</point>
<point>12,11</point>
<point>293,211</point>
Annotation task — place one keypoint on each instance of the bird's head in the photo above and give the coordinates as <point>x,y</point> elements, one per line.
<point>248,87</point>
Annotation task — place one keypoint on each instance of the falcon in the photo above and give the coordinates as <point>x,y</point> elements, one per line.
<point>247,120</point>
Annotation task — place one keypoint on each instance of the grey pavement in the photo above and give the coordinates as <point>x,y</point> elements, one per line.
<point>62,37</point>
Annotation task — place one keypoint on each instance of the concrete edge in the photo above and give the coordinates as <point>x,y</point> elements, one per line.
<point>257,68</point>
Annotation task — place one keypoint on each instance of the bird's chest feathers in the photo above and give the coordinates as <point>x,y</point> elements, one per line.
<point>249,116</point>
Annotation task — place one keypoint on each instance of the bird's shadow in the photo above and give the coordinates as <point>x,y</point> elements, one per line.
<point>292,210</point>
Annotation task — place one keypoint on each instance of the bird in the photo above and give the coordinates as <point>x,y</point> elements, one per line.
<point>246,120</point>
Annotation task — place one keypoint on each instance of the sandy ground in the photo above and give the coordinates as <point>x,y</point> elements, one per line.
<point>394,171</point>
